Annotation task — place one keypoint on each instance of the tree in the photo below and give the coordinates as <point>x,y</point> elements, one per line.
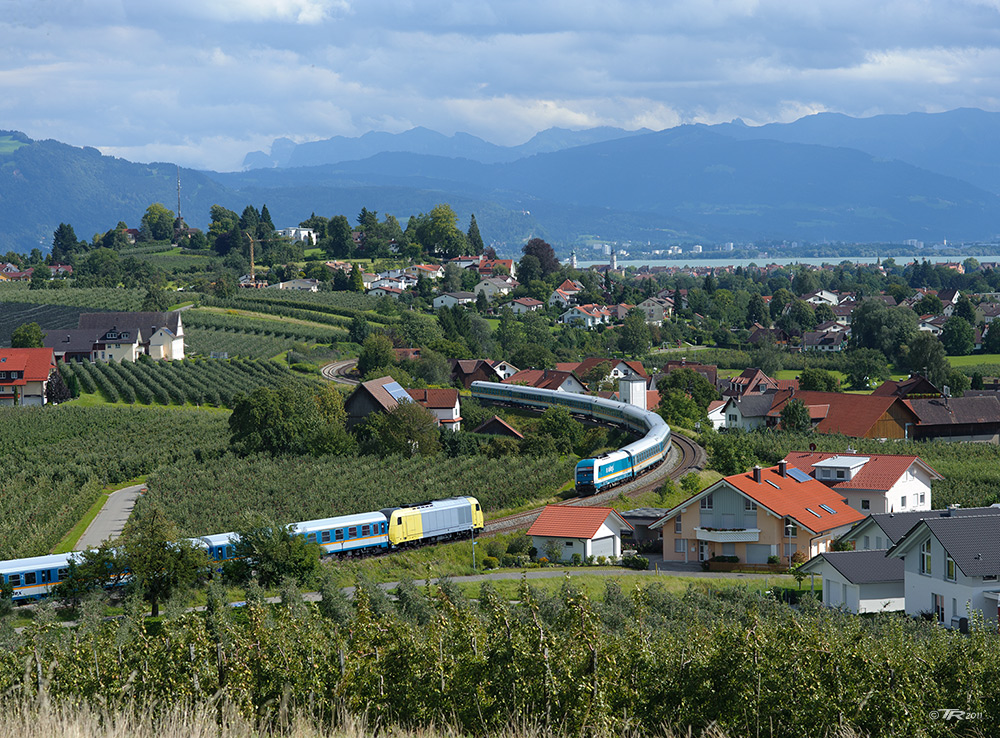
<point>558,424</point>
<point>64,242</point>
<point>28,335</point>
<point>56,390</point>
<point>224,231</point>
<point>40,277</point>
<point>865,367</point>
<point>795,417</point>
<point>339,243</point>
<point>991,341</point>
<point>678,408</point>
<point>545,254</point>
<point>818,380</point>
<point>357,279</point>
<point>360,329</point>
<point>925,355</point>
<point>157,224</point>
<point>472,236</point>
<point>271,552</point>
<point>964,309</point>
<point>376,352</point>
<point>692,384</point>
<point>510,332</point>
<point>159,562</point>
<point>482,301</point>
<point>407,430</point>
<point>155,301</point>
<point>958,336</point>
<point>873,325</point>
<point>757,312</point>
<point>634,336</point>
<point>529,269</point>
<point>730,453</point>
<point>596,377</point>
<point>275,420</point>
<point>824,313</point>
<point>928,305</point>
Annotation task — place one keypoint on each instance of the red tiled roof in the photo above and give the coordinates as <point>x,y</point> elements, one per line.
<point>568,286</point>
<point>652,399</point>
<point>436,398</point>
<point>541,378</point>
<point>528,302</point>
<point>849,415</point>
<point>789,498</point>
<point>564,521</point>
<point>881,471</point>
<point>36,363</point>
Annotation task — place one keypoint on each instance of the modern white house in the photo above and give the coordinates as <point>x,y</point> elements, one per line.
<point>493,287</point>
<point>950,568</point>
<point>587,531</point>
<point>523,305</point>
<point>450,299</point>
<point>747,412</point>
<point>872,483</point>
<point>859,581</point>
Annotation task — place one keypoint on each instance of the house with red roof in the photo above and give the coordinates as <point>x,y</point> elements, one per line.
<point>871,483</point>
<point>857,416</point>
<point>778,511</point>
<point>24,375</point>
<point>618,368</point>
<point>587,531</point>
<point>443,404</point>
<point>587,315</point>
<point>548,379</point>
<point>523,305</point>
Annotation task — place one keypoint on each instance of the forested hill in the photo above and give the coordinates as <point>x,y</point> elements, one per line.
<point>45,183</point>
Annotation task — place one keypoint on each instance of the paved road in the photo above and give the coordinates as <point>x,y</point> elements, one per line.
<point>111,519</point>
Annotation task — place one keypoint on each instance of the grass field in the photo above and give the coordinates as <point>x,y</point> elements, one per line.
<point>973,359</point>
<point>9,144</point>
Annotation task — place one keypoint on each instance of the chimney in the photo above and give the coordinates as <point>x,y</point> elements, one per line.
<point>783,468</point>
<point>756,474</point>
<point>951,511</point>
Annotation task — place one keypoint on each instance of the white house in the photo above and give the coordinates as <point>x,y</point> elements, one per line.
<point>493,286</point>
<point>450,299</point>
<point>822,297</point>
<point>504,369</point>
<point>872,483</point>
<point>393,292</point>
<point>429,271</point>
<point>746,412</point>
<point>305,235</point>
<point>523,305</point>
<point>950,568</point>
<point>586,315</point>
<point>656,309</point>
<point>305,285</point>
<point>443,404</point>
<point>161,335</point>
<point>587,531</point>
<point>859,581</point>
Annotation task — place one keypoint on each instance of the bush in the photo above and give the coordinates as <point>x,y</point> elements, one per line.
<point>532,552</point>
<point>305,368</point>
<point>543,561</point>
<point>773,560</point>
<point>491,562</point>
<point>726,559</point>
<point>798,557</point>
<point>640,563</point>
<point>602,560</point>
<point>590,560</point>
<point>577,559</point>
<point>519,543</point>
<point>496,548</point>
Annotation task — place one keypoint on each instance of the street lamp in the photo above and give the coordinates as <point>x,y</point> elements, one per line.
<point>473,531</point>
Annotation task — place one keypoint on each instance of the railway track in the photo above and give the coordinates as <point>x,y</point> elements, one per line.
<point>686,456</point>
<point>337,371</point>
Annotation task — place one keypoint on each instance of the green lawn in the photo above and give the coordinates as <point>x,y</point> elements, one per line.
<point>9,144</point>
<point>973,359</point>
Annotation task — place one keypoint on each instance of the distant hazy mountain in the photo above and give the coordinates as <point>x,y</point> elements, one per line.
<point>688,180</point>
<point>285,153</point>
<point>963,143</point>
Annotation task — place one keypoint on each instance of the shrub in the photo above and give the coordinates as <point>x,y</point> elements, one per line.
<point>532,552</point>
<point>577,559</point>
<point>491,562</point>
<point>590,560</point>
<point>496,548</point>
<point>640,563</point>
<point>543,561</point>
<point>773,560</point>
<point>798,557</point>
<point>602,560</point>
<point>519,543</point>
<point>726,559</point>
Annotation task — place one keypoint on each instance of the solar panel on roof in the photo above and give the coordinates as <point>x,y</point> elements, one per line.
<point>798,475</point>
<point>397,392</point>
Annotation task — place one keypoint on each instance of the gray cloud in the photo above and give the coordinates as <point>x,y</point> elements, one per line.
<point>203,81</point>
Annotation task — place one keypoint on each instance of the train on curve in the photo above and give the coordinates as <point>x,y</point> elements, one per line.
<point>347,535</point>
<point>610,469</point>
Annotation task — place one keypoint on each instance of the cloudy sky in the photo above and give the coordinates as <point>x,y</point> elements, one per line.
<point>202,82</point>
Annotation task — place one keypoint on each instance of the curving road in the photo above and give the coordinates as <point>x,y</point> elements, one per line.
<point>337,371</point>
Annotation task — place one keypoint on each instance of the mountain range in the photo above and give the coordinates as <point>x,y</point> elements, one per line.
<point>823,178</point>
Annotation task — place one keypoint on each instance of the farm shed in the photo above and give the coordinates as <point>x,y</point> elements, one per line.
<point>588,531</point>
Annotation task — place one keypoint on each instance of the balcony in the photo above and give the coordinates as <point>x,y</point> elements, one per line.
<point>738,535</point>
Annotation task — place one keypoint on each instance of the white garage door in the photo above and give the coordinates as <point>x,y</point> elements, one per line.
<point>757,553</point>
<point>603,546</point>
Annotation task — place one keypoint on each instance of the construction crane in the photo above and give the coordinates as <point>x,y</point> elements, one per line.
<point>253,276</point>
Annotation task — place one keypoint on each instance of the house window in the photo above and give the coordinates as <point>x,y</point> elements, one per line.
<point>867,543</point>
<point>866,504</point>
<point>902,501</point>
<point>677,524</point>
<point>679,545</point>
<point>3,375</point>
<point>922,498</point>
<point>840,473</point>
<point>925,557</point>
<point>706,502</point>
<point>569,543</point>
<point>732,418</point>
<point>937,602</point>
<point>749,505</point>
<point>791,529</point>
<point>878,542</point>
<point>949,568</point>
<point>790,549</point>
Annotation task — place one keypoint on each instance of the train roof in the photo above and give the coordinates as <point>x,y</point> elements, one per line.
<point>217,539</point>
<point>50,561</point>
<point>308,526</point>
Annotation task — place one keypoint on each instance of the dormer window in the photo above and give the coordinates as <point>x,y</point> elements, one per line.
<point>112,336</point>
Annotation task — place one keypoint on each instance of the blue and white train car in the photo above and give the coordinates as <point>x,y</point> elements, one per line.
<point>612,468</point>
<point>34,577</point>
<point>348,534</point>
